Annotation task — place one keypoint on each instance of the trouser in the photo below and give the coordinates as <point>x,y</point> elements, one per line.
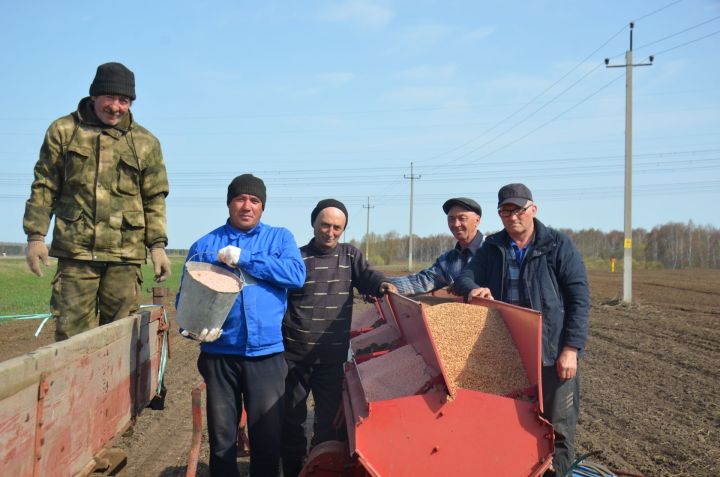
<point>561,402</point>
<point>82,290</point>
<point>258,383</point>
<point>325,383</point>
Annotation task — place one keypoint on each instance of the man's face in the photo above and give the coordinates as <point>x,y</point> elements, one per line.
<point>245,211</point>
<point>328,227</point>
<point>111,109</point>
<point>463,224</point>
<point>519,220</point>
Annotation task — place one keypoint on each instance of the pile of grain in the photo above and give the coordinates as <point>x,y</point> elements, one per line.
<point>216,281</point>
<point>475,348</point>
<point>401,372</point>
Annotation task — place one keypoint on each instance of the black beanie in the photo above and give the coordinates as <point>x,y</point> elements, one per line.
<point>324,204</point>
<point>247,184</point>
<point>113,79</point>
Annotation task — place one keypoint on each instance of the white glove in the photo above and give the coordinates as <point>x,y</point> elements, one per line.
<point>206,336</point>
<point>229,255</point>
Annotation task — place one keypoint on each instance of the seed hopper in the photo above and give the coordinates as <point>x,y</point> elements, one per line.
<point>398,414</point>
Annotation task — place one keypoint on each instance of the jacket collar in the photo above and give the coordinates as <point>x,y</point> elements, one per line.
<point>234,233</point>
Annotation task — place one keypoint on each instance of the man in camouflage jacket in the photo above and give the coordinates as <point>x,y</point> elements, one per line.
<point>103,177</point>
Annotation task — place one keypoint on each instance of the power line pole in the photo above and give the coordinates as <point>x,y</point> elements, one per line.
<point>627,246</point>
<point>412,178</point>
<point>367,228</point>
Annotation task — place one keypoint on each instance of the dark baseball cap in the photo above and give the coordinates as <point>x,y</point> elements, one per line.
<point>517,194</point>
<point>464,202</point>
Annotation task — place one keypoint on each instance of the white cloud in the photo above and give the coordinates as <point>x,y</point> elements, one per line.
<point>331,80</point>
<point>425,34</point>
<point>335,79</point>
<point>479,34</point>
<point>357,11</point>
<point>428,73</point>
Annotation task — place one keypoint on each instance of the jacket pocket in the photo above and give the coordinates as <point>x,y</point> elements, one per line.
<point>133,234</point>
<point>128,179</point>
<point>71,233</point>
<point>76,166</point>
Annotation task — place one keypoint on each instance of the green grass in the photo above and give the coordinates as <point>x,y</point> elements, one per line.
<point>23,293</point>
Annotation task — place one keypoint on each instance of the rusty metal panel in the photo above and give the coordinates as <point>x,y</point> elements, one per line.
<point>70,399</point>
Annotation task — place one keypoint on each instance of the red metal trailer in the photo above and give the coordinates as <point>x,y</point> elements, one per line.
<point>401,421</point>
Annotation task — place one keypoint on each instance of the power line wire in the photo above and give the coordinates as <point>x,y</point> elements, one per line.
<point>657,11</point>
<point>678,33</point>
<point>687,43</point>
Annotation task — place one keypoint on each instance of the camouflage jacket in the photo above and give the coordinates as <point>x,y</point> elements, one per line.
<point>106,187</point>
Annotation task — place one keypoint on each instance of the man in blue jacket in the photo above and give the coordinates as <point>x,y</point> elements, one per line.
<point>243,363</point>
<point>534,266</point>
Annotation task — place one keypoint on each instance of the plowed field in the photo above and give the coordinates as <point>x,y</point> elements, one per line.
<point>650,392</point>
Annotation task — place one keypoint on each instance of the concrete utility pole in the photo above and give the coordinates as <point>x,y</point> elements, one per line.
<point>412,178</point>
<point>627,258</point>
<point>367,228</point>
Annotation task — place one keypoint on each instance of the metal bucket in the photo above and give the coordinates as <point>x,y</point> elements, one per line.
<point>200,306</point>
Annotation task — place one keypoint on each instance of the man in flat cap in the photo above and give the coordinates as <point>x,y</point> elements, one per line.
<point>534,266</point>
<point>102,176</point>
<point>317,329</point>
<point>243,363</point>
<point>463,218</point>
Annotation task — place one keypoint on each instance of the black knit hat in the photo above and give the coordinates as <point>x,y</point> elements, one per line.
<point>247,184</point>
<point>113,79</point>
<point>324,204</point>
<point>463,202</point>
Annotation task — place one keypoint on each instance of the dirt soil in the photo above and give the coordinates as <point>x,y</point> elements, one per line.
<point>649,382</point>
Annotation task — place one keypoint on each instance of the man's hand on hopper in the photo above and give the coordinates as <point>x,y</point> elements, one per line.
<point>36,252</point>
<point>480,293</point>
<point>229,255</point>
<point>161,264</point>
<point>387,287</point>
<point>206,336</point>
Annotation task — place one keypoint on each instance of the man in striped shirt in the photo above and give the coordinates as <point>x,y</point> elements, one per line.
<point>316,329</point>
<point>463,217</point>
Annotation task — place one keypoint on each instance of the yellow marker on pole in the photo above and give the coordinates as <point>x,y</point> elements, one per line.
<point>628,243</point>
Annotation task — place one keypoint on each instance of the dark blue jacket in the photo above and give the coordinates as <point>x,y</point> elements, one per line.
<point>554,276</point>
<point>271,256</point>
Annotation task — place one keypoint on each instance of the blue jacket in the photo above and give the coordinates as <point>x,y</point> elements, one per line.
<point>271,256</point>
<point>554,276</point>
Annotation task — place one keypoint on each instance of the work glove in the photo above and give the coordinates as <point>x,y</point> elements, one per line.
<point>37,251</point>
<point>206,336</point>
<point>229,255</point>
<point>161,263</point>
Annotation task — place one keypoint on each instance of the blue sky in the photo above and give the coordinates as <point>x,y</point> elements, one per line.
<point>336,99</point>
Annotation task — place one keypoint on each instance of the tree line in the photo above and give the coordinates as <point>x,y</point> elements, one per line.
<point>672,245</point>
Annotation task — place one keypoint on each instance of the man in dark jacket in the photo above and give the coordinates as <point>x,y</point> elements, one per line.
<point>534,266</point>
<point>316,329</point>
